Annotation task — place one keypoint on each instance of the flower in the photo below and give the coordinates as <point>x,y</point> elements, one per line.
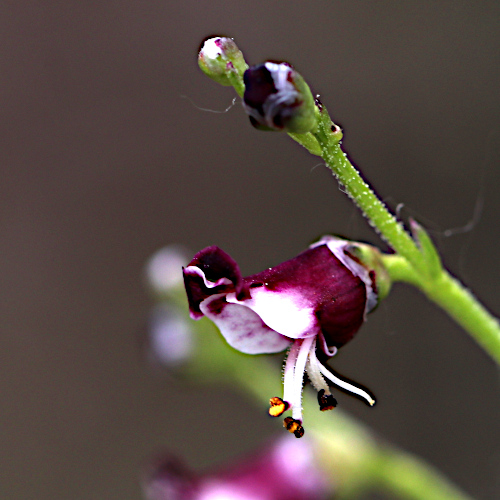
<point>162,270</point>
<point>277,98</point>
<point>170,340</point>
<point>286,470</point>
<point>312,303</point>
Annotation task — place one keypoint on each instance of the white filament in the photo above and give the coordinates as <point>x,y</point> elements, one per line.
<point>288,373</point>
<point>298,378</point>
<point>313,371</point>
<point>345,385</point>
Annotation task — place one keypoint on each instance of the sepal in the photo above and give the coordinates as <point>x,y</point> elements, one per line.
<point>431,256</point>
<point>371,258</point>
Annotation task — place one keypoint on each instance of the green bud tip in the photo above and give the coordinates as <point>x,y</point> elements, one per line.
<point>221,60</point>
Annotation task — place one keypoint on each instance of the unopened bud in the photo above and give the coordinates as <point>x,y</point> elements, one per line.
<point>221,60</point>
<point>164,270</point>
<point>277,98</point>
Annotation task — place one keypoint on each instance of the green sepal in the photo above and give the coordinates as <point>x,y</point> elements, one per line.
<point>429,252</point>
<point>371,258</point>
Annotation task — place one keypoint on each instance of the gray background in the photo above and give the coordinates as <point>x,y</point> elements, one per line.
<point>103,160</point>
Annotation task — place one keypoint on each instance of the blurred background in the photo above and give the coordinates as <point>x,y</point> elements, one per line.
<point>106,155</point>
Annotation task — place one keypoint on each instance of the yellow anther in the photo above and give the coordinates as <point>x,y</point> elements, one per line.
<point>278,406</point>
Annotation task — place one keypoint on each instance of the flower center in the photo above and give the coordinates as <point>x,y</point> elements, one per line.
<point>302,359</point>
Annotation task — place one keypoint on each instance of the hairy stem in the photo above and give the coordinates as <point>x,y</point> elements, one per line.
<point>422,266</point>
<point>374,210</point>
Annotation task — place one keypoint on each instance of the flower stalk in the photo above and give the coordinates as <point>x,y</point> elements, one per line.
<point>416,261</point>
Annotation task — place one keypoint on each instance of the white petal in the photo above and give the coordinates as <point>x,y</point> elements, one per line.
<point>196,271</point>
<point>243,329</point>
<point>286,312</point>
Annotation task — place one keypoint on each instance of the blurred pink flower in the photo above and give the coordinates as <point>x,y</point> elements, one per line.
<point>287,470</point>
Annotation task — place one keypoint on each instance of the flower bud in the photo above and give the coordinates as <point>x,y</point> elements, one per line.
<point>221,60</point>
<point>277,98</point>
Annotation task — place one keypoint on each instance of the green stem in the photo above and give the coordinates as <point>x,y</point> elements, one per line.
<point>411,478</point>
<point>454,298</point>
<point>359,191</point>
<point>422,266</point>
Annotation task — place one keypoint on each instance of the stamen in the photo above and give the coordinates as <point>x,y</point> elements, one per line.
<point>278,406</point>
<point>289,373</point>
<point>300,366</point>
<point>294,426</point>
<point>313,371</point>
<point>346,385</point>
<point>326,401</point>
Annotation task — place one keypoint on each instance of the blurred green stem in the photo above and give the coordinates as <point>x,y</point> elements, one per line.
<point>347,451</point>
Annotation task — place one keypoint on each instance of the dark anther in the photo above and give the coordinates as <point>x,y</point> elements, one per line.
<point>294,426</point>
<point>326,401</point>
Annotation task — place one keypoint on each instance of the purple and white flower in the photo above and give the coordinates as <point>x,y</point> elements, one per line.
<point>312,303</point>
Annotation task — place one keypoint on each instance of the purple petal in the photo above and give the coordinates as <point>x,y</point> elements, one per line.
<point>211,271</point>
<point>321,291</point>
<point>311,294</point>
<point>284,470</point>
<point>168,479</point>
<point>340,248</point>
